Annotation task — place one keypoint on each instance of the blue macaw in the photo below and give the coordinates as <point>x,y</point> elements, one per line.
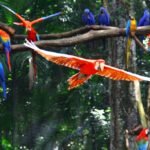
<point>2,80</point>
<point>130,31</point>
<point>103,17</point>
<point>145,19</point>
<point>88,17</point>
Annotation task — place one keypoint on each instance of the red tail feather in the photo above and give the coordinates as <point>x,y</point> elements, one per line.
<point>77,79</point>
<point>8,61</point>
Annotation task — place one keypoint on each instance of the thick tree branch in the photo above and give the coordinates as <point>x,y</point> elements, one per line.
<point>89,36</point>
<point>68,33</point>
<point>6,28</point>
<point>139,43</point>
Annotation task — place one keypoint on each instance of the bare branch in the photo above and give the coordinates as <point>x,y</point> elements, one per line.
<point>68,33</point>
<point>82,38</point>
<point>6,28</point>
<point>139,43</point>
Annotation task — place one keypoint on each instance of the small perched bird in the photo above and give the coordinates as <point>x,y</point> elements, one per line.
<point>86,67</point>
<point>130,32</point>
<point>145,19</point>
<point>103,17</point>
<point>88,17</point>
<point>2,80</point>
<point>5,39</point>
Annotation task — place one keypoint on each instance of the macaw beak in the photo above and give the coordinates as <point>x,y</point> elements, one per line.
<point>101,66</point>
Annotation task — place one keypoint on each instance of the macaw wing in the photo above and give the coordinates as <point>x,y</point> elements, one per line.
<point>92,18</point>
<point>84,19</point>
<point>142,20</point>
<point>60,59</point>
<point>128,28</point>
<point>119,74</point>
<point>16,14</point>
<point>45,18</point>
<point>2,74</point>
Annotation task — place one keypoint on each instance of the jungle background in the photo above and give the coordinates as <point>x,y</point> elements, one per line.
<point>93,116</point>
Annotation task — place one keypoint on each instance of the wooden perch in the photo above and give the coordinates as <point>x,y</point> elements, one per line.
<point>139,43</point>
<point>68,33</point>
<point>81,38</point>
<point>6,28</point>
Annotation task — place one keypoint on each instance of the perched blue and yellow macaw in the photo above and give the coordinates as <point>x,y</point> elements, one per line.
<point>2,80</point>
<point>130,32</point>
<point>88,17</point>
<point>145,19</point>
<point>5,39</point>
<point>103,17</point>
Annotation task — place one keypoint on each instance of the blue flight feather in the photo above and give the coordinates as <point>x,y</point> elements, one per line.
<point>2,80</point>
<point>50,16</point>
<point>103,17</point>
<point>88,17</point>
<point>128,28</point>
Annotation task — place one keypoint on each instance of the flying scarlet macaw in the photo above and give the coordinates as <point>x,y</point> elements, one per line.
<point>103,17</point>
<point>2,80</point>
<point>5,39</point>
<point>88,17</point>
<point>130,31</point>
<point>86,67</point>
<point>145,19</point>
<point>32,35</point>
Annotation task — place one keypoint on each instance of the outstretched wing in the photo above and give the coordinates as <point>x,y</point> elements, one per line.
<point>16,14</point>
<point>45,18</point>
<point>119,74</point>
<point>60,59</point>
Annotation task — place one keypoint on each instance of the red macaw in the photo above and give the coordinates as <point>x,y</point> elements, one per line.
<point>86,67</point>
<point>32,35</point>
<point>130,31</point>
<point>5,39</point>
<point>142,139</point>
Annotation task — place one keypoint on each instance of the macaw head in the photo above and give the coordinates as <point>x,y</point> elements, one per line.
<point>131,17</point>
<point>99,64</point>
<point>146,12</point>
<point>27,25</point>
<point>102,10</point>
<point>86,12</point>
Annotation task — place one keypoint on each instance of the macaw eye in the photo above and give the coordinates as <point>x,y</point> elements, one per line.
<point>101,12</point>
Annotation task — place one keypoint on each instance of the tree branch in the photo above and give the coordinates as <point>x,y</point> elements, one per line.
<point>6,28</point>
<point>82,38</point>
<point>68,33</point>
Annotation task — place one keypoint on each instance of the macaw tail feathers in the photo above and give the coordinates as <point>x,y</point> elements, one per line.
<point>77,80</point>
<point>8,60</point>
<point>31,73</point>
<point>4,89</point>
<point>128,52</point>
<point>34,64</point>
